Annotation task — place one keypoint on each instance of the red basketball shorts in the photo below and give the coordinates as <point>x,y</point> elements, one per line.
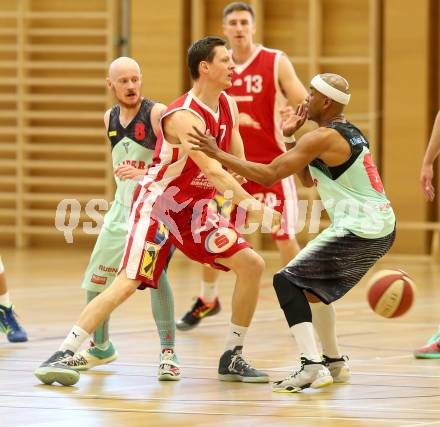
<point>203,235</point>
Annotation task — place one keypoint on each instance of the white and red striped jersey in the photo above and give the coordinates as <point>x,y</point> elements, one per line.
<point>172,169</point>
<point>256,90</point>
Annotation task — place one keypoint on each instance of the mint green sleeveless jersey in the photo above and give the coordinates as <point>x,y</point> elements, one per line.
<point>353,193</point>
<point>132,145</point>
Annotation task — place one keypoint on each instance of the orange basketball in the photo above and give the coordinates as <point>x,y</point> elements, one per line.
<point>391,292</point>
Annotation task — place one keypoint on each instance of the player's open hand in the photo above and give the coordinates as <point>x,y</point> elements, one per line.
<point>124,172</point>
<point>426,182</point>
<point>292,120</point>
<point>204,142</point>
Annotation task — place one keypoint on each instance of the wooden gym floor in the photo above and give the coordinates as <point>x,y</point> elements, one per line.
<point>388,387</point>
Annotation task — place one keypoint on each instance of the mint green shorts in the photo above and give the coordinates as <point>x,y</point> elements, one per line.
<point>109,248</point>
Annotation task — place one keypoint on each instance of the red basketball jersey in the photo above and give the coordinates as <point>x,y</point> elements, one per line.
<point>256,89</point>
<point>172,169</point>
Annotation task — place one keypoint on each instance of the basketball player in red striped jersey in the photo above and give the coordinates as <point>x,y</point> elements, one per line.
<point>172,207</point>
<point>263,83</point>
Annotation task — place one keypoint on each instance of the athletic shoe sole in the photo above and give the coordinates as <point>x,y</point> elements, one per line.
<point>49,375</point>
<point>239,378</point>
<point>319,383</point>
<point>168,377</point>
<point>427,356</point>
<point>182,326</point>
<point>21,339</point>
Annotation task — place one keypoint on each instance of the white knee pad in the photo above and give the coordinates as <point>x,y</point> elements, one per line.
<point>2,267</point>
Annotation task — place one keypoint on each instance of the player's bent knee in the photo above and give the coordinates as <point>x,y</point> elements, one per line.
<point>292,301</point>
<point>258,263</point>
<point>284,289</point>
<point>254,264</point>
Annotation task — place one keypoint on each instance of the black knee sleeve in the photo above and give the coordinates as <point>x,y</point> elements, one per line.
<point>292,300</point>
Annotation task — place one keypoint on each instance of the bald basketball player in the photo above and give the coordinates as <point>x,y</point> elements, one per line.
<point>131,125</point>
<point>336,158</point>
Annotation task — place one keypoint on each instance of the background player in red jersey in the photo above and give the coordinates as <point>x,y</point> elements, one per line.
<point>263,83</point>
<point>172,207</point>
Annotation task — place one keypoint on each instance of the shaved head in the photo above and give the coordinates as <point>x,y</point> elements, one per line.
<point>336,81</point>
<point>125,80</point>
<point>121,65</point>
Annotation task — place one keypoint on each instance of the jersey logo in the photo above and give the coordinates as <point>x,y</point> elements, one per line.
<point>112,133</point>
<point>220,240</point>
<point>126,144</point>
<point>149,259</point>
<point>139,131</point>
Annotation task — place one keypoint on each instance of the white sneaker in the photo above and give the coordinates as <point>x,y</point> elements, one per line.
<point>311,374</point>
<point>338,368</point>
<point>91,357</point>
<point>169,367</point>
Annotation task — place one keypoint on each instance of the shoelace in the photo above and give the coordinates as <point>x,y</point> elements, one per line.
<point>238,363</point>
<point>167,359</point>
<point>294,374</point>
<point>78,360</point>
<point>63,360</point>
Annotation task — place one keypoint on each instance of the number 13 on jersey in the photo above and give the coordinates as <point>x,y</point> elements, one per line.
<point>254,83</point>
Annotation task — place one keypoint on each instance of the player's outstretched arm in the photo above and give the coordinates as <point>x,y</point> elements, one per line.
<point>179,124</point>
<point>308,148</point>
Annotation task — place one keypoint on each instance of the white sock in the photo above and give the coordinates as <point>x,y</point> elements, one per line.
<point>324,319</point>
<point>305,338</point>
<point>4,300</point>
<point>74,339</point>
<point>236,336</point>
<point>208,291</point>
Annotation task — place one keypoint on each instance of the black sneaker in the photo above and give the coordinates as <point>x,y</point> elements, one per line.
<point>56,369</point>
<point>199,310</point>
<point>232,367</point>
